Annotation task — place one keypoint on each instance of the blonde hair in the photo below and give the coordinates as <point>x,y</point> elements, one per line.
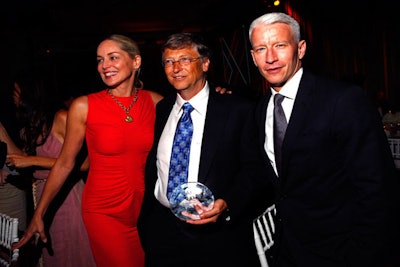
<point>131,47</point>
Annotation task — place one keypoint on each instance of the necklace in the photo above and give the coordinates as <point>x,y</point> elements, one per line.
<point>128,117</point>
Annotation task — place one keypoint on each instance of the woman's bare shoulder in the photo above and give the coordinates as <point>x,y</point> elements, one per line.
<point>79,103</point>
<point>79,108</point>
<point>59,124</point>
<point>61,115</point>
<point>155,96</point>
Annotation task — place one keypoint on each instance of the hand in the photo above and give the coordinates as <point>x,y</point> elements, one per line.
<point>199,207</point>
<point>208,216</point>
<point>35,229</point>
<point>222,90</point>
<point>18,161</point>
<point>3,177</point>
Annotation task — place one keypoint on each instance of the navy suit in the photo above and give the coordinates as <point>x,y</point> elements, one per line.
<point>230,166</point>
<point>332,198</point>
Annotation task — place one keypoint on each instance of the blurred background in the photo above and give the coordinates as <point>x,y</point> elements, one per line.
<point>357,41</point>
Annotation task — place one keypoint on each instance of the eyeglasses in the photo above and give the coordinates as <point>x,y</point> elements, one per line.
<point>183,61</point>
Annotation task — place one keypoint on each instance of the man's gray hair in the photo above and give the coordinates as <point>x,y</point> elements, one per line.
<point>276,17</point>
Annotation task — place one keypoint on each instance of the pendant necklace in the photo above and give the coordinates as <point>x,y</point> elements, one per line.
<point>128,117</point>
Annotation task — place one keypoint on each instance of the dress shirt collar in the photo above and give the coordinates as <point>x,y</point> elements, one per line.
<point>197,101</point>
<point>291,87</point>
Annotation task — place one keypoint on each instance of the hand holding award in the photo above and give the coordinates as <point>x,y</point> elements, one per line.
<point>189,200</point>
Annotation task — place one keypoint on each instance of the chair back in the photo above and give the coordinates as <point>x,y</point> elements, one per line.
<point>394,144</point>
<point>8,236</point>
<point>264,230</point>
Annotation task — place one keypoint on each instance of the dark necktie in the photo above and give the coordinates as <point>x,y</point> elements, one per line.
<point>179,164</point>
<point>280,125</point>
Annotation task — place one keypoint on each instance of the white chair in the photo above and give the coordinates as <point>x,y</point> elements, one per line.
<point>8,236</point>
<point>264,230</point>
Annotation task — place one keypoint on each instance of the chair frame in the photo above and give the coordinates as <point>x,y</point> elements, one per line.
<point>394,144</point>
<point>8,236</point>
<point>264,230</point>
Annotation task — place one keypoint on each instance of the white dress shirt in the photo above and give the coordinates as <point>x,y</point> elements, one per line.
<point>199,103</point>
<point>289,90</point>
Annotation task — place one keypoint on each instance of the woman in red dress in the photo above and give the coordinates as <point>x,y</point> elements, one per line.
<point>117,124</point>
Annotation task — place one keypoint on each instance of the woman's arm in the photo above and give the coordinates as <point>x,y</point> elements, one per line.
<point>75,135</point>
<point>22,161</point>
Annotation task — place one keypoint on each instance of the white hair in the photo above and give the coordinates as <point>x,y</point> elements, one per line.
<point>277,17</point>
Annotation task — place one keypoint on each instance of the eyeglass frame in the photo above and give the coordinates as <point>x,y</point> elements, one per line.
<point>183,61</point>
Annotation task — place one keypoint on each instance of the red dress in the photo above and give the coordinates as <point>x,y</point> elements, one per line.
<point>115,186</point>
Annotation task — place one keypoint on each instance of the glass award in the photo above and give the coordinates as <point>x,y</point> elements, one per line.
<point>189,200</point>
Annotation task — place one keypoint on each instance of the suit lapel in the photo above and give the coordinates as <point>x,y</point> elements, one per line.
<point>163,110</point>
<point>261,112</point>
<point>302,105</point>
<point>213,132</point>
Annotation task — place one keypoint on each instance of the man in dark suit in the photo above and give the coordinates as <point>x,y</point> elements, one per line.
<point>333,192</point>
<point>224,156</point>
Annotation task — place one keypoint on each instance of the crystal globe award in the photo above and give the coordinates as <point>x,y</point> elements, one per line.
<point>189,200</point>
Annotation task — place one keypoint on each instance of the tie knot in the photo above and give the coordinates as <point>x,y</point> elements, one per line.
<point>278,98</point>
<point>187,108</point>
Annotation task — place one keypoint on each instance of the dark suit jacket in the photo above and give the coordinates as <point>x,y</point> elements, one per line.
<point>229,166</point>
<point>337,173</point>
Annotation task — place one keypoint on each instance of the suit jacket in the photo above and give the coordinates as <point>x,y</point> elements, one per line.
<point>230,166</point>
<point>337,172</point>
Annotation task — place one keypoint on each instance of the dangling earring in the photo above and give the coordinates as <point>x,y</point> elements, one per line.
<point>138,83</point>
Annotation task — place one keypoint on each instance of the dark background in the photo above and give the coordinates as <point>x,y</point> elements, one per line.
<point>355,40</point>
